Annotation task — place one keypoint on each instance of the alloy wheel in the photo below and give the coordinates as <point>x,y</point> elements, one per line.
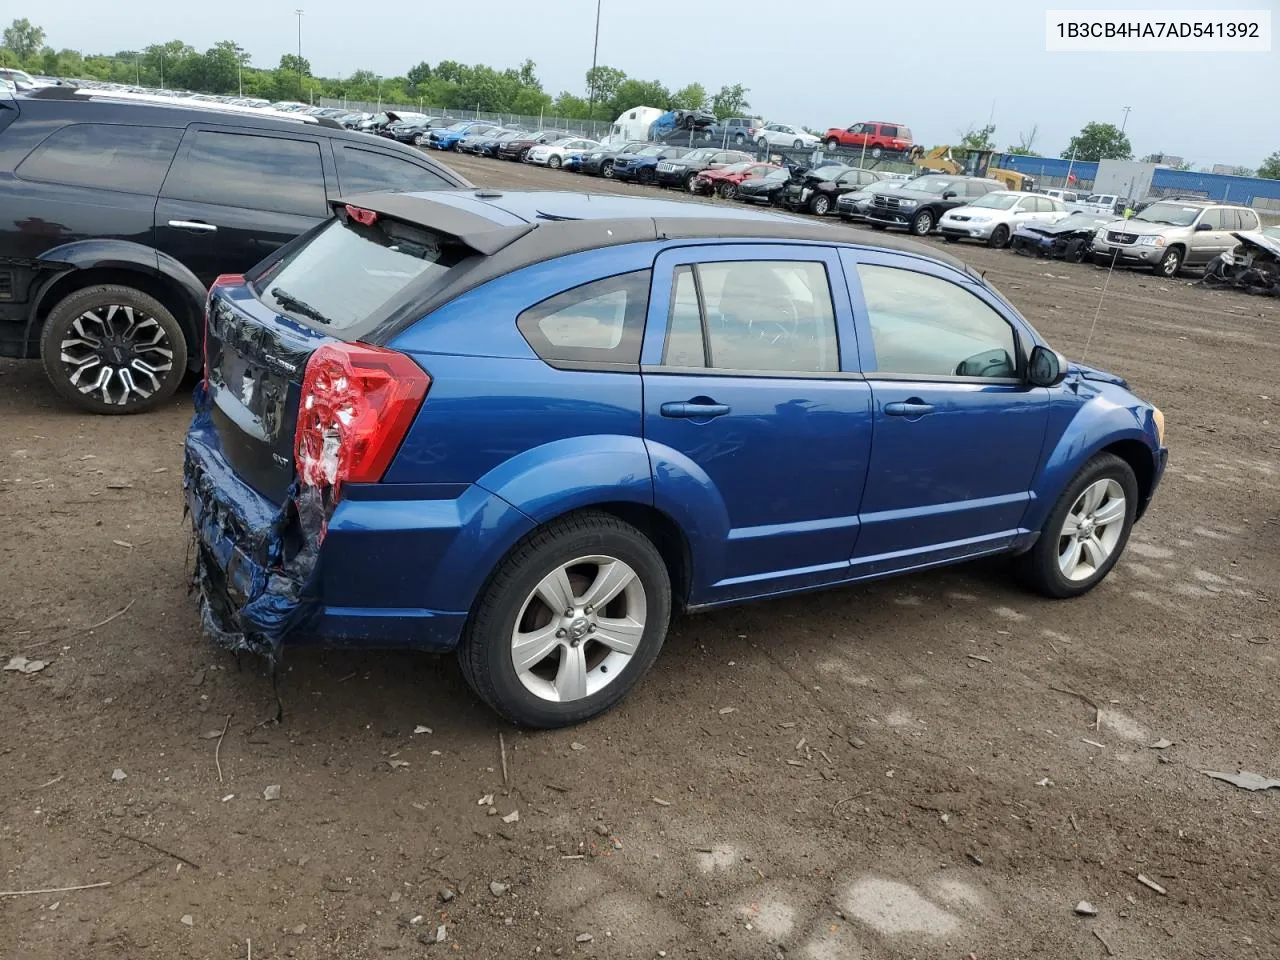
<point>116,354</point>
<point>1091,529</point>
<point>579,628</point>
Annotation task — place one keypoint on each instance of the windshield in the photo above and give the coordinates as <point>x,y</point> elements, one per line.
<point>779,175</point>
<point>997,201</point>
<point>937,185</point>
<point>1174,214</point>
<point>738,167</point>
<point>695,156</point>
<point>1081,221</point>
<point>1272,232</point>
<point>828,173</point>
<point>649,151</point>
<point>562,141</point>
<point>347,270</point>
<point>460,125</point>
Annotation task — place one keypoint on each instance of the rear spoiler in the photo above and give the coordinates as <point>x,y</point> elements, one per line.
<point>475,232</point>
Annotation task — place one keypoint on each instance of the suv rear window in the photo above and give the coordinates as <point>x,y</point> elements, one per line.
<point>105,156</point>
<point>256,172</point>
<point>348,270</point>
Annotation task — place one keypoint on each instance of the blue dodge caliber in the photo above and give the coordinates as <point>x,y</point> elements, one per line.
<point>531,427</point>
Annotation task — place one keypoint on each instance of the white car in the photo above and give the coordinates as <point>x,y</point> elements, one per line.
<point>554,155</point>
<point>994,217</point>
<point>785,135</point>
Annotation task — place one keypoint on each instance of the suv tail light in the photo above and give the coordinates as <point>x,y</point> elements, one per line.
<point>356,406</point>
<point>223,280</point>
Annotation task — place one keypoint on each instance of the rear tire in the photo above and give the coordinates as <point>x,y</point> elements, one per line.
<point>1041,567</point>
<point>510,605</point>
<point>128,355</point>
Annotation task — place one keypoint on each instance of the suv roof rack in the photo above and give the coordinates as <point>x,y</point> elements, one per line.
<point>185,101</point>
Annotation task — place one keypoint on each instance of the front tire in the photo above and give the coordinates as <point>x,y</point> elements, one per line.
<point>1086,531</point>
<point>833,145</point>
<point>820,205</point>
<point>554,162</point>
<point>606,169</point>
<point>112,349</point>
<point>1169,264</point>
<point>999,237</point>
<point>543,666</point>
<point>922,223</point>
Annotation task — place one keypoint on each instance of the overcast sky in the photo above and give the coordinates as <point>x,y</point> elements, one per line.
<point>936,66</point>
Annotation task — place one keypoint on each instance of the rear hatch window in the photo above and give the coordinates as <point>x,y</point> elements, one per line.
<point>350,269</point>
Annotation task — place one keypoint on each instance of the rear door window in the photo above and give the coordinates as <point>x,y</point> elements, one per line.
<point>277,174</point>
<point>889,131</point>
<point>1248,220</point>
<point>368,171</point>
<point>598,322</point>
<point>1212,219</point>
<point>756,315</point>
<point>105,156</point>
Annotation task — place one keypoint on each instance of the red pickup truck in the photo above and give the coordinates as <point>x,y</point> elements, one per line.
<point>872,134</point>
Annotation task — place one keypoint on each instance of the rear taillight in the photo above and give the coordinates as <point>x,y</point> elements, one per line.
<point>356,406</point>
<point>223,280</point>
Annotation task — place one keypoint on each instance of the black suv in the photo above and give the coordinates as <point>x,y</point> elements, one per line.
<point>921,203</point>
<point>119,214</point>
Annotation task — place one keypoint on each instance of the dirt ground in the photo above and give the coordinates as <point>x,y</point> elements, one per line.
<point>899,770</point>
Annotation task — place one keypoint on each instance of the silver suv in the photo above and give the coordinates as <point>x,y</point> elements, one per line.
<point>1173,233</point>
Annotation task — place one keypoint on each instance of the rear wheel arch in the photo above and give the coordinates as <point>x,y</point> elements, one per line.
<point>167,290</point>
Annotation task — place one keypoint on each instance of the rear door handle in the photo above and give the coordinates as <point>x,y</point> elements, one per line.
<point>196,226</point>
<point>694,410</point>
<point>908,408</point>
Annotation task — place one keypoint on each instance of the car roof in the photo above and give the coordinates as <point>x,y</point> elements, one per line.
<point>490,220</point>
<point>511,230</point>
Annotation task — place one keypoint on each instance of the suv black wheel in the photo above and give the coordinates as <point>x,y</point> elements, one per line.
<point>1169,264</point>
<point>568,622</point>
<point>922,223</point>
<point>113,349</point>
<point>1086,531</point>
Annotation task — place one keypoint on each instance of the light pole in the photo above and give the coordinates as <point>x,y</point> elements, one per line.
<point>1126,118</point>
<point>299,13</point>
<point>595,49</point>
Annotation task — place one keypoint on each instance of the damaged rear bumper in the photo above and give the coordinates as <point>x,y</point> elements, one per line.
<point>391,566</point>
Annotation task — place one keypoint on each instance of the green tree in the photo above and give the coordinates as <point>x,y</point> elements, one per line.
<point>1099,141</point>
<point>603,83</point>
<point>730,101</point>
<point>24,38</point>
<point>419,73</point>
<point>638,93</point>
<point>571,106</point>
<point>978,138</point>
<point>690,97</point>
<point>1270,167</point>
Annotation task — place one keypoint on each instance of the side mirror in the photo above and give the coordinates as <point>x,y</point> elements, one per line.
<point>1046,368</point>
<point>949,195</point>
<point>1203,226</point>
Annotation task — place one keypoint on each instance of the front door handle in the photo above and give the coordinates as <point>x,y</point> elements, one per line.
<point>914,407</point>
<point>196,226</point>
<point>700,408</point>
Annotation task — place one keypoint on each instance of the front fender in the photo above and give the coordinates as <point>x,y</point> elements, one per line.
<point>1084,422</point>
